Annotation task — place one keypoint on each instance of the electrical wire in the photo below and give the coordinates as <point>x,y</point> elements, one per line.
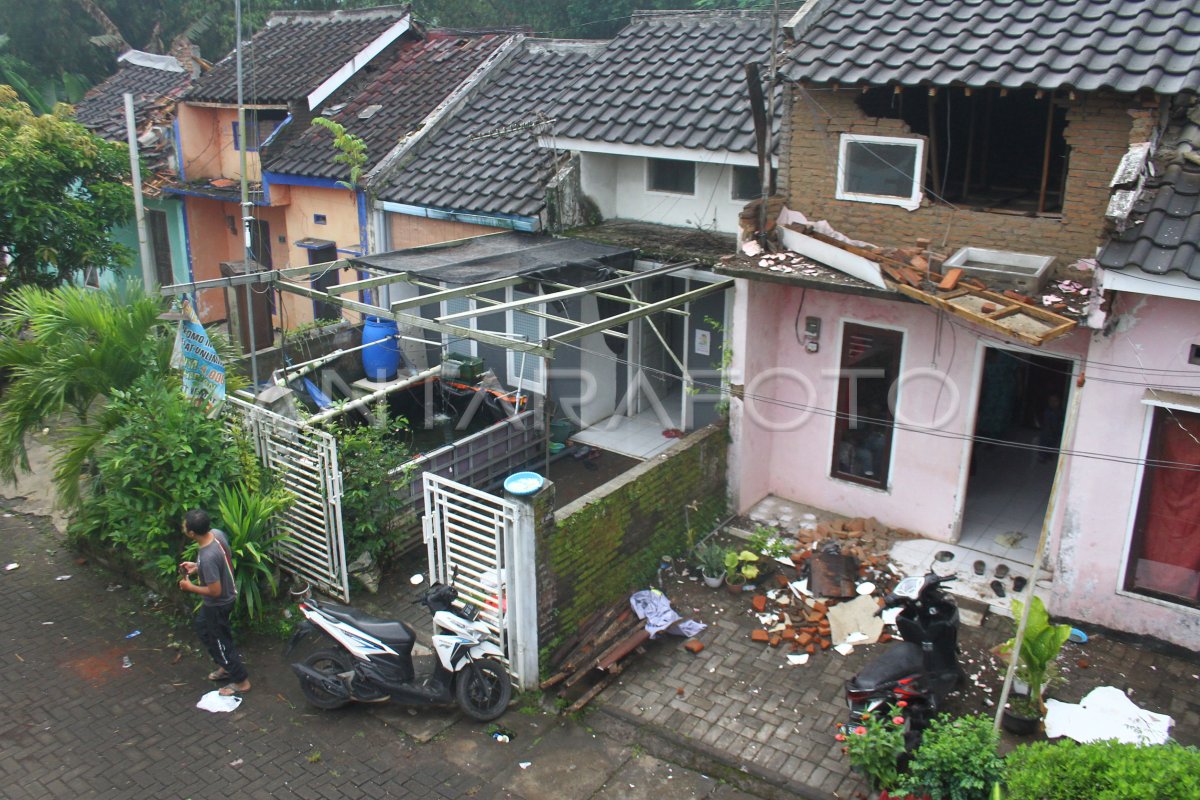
<point>834,414</point>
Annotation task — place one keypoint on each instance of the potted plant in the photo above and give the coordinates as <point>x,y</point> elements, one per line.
<point>740,567</point>
<point>711,558</point>
<point>958,759</point>
<point>1040,647</point>
<point>875,747</point>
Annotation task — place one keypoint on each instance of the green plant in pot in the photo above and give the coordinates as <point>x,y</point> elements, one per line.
<point>711,559</point>
<point>740,568</point>
<point>1040,646</point>
<point>875,747</point>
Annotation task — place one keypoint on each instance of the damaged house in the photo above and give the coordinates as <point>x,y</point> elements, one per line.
<point>984,315</point>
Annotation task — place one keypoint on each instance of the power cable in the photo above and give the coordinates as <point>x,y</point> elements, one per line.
<point>898,425</point>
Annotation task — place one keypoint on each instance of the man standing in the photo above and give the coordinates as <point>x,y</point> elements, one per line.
<point>214,568</point>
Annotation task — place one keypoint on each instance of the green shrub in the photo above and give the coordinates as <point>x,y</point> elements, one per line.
<point>957,760</point>
<point>246,518</point>
<point>874,748</point>
<point>371,498</point>
<point>163,457</point>
<point>1065,770</point>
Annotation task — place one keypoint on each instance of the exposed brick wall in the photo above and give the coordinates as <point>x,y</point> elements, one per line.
<point>608,543</point>
<point>1100,127</point>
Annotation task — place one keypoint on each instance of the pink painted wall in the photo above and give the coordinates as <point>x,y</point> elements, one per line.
<point>927,476</point>
<point>1101,495</point>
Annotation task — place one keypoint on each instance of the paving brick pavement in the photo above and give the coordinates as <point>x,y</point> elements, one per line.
<point>76,723</point>
<point>740,704</point>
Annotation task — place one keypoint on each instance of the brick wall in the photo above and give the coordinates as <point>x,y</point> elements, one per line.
<point>1100,127</point>
<point>608,543</point>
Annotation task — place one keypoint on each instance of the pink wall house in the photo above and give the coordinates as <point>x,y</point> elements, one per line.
<point>853,398</point>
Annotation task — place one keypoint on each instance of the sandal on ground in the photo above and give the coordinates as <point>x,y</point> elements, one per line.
<point>230,690</point>
<point>218,675</point>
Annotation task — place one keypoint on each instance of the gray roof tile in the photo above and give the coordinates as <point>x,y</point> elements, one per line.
<point>294,54</point>
<point>1125,45</point>
<point>422,73</point>
<point>1166,233</point>
<point>102,109</point>
<point>662,67</point>
<point>503,174</point>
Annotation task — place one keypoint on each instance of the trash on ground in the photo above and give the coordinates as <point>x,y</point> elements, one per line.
<point>1077,636</point>
<point>855,616</point>
<point>654,607</point>
<point>126,662</point>
<point>1106,713</point>
<point>237,762</point>
<point>132,634</point>
<point>797,659</point>
<point>844,649</point>
<point>213,701</point>
<point>11,567</point>
<point>833,574</point>
<point>524,764</point>
<point>63,578</point>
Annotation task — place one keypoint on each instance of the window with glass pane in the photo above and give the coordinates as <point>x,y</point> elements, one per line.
<point>862,442</point>
<point>525,370</point>
<point>1164,556</point>
<point>666,175</point>
<point>879,169</point>
<point>746,185</point>
<point>458,344</point>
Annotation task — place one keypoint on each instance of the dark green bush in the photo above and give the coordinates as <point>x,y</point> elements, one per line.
<point>957,760</point>
<point>163,457</point>
<point>1065,770</point>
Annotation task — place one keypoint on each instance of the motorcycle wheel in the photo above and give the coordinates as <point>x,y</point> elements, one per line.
<point>483,689</point>
<point>329,663</point>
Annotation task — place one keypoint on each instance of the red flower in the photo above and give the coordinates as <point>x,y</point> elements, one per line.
<point>902,703</point>
<point>860,730</point>
<point>841,737</point>
<point>898,720</point>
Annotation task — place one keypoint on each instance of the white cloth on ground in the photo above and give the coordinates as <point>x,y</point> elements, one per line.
<point>1106,713</point>
<point>654,607</point>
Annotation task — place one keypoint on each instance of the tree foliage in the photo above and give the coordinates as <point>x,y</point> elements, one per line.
<point>61,190</point>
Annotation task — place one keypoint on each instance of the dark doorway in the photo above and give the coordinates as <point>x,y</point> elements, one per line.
<point>1018,431</point>
<point>323,280</point>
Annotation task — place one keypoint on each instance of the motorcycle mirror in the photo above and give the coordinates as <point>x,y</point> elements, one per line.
<point>417,580</point>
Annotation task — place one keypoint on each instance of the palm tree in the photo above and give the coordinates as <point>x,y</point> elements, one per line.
<point>65,350</point>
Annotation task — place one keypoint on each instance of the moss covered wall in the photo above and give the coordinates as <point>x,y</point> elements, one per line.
<point>608,543</point>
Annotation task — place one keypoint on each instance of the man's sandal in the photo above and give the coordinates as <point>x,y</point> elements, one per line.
<point>218,675</point>
<point>230,690</point>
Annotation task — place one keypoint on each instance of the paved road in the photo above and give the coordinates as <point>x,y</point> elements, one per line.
<point>77,723</point>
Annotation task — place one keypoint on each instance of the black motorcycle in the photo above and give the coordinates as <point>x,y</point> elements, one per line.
<point>922,669</point>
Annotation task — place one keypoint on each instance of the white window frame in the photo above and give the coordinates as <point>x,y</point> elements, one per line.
<point>914,198</point>
<point>513,357</point>
<point>469,322</point>
<point>648,161</point>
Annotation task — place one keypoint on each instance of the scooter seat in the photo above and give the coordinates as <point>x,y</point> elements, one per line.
<point>900,661</point>
<point>387,630</point>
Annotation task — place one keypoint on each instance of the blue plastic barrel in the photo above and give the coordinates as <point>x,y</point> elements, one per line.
<point>381,360</point>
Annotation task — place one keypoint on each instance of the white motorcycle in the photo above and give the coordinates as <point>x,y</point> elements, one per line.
<point>373,662</point>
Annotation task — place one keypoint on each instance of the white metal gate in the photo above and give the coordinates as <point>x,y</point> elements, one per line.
<point>474,532</point>
<point>306,461</point>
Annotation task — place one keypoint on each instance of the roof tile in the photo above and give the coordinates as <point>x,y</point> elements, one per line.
<point>1125,45</point>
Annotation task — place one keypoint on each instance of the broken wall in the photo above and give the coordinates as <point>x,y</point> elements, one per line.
<point>1100,128</point>
<point>608,543</point>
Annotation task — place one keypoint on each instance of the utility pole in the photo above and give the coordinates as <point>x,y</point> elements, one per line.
<point>247,219</point>
<point>135,169</point>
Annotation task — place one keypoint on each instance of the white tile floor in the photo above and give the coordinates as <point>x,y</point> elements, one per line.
<point>637,437</point>
<point>1006,503</point>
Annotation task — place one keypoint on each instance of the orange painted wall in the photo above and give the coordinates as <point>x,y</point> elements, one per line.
<point>208,145</point>
<point>340,209</point>
<point>405,230</point>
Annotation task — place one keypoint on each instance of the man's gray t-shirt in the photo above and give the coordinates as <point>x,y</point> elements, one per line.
<point>213,565</point>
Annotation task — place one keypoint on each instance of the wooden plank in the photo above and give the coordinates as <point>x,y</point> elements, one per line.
<point>1005,312</point>
<point>1060,324</point>
<point>590,695</point>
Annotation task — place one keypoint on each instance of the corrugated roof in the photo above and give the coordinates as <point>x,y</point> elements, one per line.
<point>294,54</point>
<point>671,80</point>
<point>393,104</point>
<point>102,109</point>
<point>1125,45</point>
<point>505,173</point>
<point>1165,236</point>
